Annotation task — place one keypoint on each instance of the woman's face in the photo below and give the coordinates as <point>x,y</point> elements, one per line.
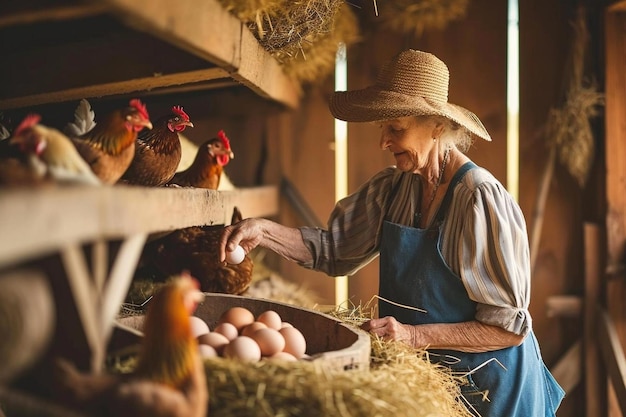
<point>410,139</point>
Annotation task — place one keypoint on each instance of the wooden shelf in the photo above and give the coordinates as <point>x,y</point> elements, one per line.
<point>73,49</point>
<point>36,222</point>
<point>42,221</point>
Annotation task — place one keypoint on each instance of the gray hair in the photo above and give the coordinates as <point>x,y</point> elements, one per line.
<point>455,134</point>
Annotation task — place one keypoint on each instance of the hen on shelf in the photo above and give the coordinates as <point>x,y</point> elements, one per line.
<point>169,379</point>
<point>158,151</point>
<point>206,169</point>
<point>109,147</point>
<point>50,154</point>
<point>196,249</point>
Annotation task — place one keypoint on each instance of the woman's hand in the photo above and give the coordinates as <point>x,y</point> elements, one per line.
<point>250,233</point>
<point>247,233</point>
<point>390,329</point>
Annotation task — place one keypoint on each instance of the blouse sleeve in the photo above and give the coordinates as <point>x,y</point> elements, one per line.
<point>493,254</point>
<point>352,238</point>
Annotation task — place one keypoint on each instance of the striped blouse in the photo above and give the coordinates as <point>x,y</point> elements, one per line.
<point>483,239</point>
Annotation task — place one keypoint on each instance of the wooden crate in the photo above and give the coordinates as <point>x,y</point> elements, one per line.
<point>330,342</point>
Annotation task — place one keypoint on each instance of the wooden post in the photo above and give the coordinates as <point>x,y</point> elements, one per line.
<point>595,384</point>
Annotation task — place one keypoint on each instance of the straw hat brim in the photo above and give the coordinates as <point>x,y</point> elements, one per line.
<point>373,104</point>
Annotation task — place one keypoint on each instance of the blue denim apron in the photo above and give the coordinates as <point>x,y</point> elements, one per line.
<point>413,273</point>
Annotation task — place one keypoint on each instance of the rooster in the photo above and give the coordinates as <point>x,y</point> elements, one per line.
<point>109,147</point>
<point>206,169</point>
<point>50,153</point>
<point>196,249</point>
<point>169,379</point>
<point>158,151</point>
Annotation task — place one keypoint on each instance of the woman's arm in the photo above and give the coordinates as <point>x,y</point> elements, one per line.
<point>250,233</point>
<point>470,336</point>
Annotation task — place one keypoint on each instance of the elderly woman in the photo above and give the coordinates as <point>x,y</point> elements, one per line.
<point>454,256</point>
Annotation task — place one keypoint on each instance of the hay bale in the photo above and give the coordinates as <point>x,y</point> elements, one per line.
<point>414,17</point>
<point>401,383</point>
<point>302,35</point>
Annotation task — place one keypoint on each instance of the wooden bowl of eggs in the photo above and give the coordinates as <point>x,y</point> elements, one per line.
<point>252,329</point>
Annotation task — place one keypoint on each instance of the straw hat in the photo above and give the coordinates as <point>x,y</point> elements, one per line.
<point>413,83</point>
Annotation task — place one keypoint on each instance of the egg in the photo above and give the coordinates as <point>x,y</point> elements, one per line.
<point>283,356</point>
<point>227,329</point>
<point>236,256</point>
<point>239,317</point>
<point>270,341</point>
<point>216,340</point>
<point>294,341</point>
<point>252,327</point>
<point>271,319</point>
<point>207,351</point>
<point>244,349</point>
<point>198,326</point>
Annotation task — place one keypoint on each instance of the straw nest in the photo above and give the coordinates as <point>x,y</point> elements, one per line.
<point>302,35</point>
<point>400,382</point>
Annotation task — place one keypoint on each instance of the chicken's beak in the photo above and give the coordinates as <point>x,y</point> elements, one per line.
<point>147,124</point>
<point>188,124</point>
<point>231,155</point>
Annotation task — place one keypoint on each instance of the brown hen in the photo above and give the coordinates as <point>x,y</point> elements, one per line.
<point>109,147</point>
<point>196,249</point>
<point>206,169</point>
<point>158,151</point>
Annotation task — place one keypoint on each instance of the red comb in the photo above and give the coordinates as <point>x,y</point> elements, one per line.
<point>141,108</point>
<point>29,121</point>
<point>179,111</point>
<point>222,136</point>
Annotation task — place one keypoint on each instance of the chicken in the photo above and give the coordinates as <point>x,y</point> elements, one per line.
<point>206,169</point>
<point>158,151</point>
<point>109,147</point>
<point>50,153</point>
<point>169,379</point>
<point>196,249</point>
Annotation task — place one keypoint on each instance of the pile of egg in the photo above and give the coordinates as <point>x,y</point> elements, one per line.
<point>240,335</point>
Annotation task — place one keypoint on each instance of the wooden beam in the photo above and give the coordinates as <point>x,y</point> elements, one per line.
<point>120,87</point>
<point>595,382</point>
<point>613,356</point>
<point>567,370</point>
<point>206,29</point>
<point>564,306</point>
<point>37,223</point>
<point>51,13</point>
<point>618,6</point>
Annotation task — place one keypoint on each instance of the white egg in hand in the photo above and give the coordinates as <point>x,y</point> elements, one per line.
<point>235,257</point>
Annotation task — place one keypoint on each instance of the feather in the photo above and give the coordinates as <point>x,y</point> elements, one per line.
<point>84,120</point>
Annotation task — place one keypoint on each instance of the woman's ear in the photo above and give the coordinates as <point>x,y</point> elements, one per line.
<point>438,129</point>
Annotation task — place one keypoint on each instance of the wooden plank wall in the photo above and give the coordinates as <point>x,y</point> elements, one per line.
<point>616,175</point>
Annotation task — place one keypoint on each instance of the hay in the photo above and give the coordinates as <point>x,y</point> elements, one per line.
<point>302,35</point>
<point>315,60</point>
<point>401,382</point>
<point>569,128</point>
<point>415,17</point>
